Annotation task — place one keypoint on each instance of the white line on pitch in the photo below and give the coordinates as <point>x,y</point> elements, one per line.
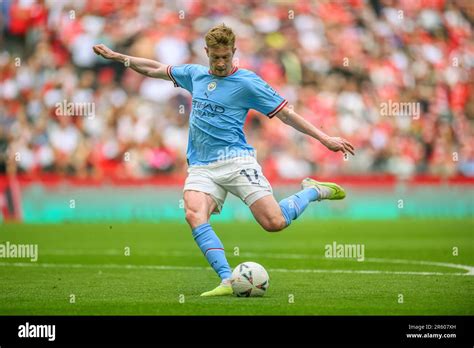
<point>190,268</point>
<point>469,269</point>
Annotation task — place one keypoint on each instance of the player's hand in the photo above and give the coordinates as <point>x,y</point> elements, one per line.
<point>104,51</point>
<point>338,144</point>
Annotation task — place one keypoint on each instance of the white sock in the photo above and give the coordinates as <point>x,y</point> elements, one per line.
<point>225,282</point>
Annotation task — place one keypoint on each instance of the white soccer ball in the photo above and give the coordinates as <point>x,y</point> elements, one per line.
<point>249,279</point>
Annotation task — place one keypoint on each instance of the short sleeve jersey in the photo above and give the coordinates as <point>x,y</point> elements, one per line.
<point>219,108</point>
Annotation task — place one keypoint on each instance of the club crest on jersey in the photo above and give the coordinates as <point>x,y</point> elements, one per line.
<point>211,86</point>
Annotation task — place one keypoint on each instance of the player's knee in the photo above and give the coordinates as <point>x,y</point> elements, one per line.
<point>274,224</point>
<point>195,218</point>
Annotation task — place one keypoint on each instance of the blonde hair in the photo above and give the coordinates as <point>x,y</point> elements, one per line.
<point>220,35</point>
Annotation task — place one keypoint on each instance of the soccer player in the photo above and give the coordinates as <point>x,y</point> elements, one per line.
<point>219,158</point>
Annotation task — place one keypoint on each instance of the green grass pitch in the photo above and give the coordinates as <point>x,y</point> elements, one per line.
<point>409,269</point>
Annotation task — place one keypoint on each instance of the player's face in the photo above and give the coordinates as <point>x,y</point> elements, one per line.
<point>220,59</point>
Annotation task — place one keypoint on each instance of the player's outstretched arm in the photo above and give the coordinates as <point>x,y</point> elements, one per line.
<point>291,118</point>
<point>144,66</point>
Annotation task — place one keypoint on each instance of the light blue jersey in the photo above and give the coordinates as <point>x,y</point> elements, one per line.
<point>219,108</point>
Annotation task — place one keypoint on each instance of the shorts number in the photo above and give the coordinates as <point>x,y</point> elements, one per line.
<point>256,182</point>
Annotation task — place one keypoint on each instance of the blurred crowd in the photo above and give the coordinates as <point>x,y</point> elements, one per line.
<point>339,63</point>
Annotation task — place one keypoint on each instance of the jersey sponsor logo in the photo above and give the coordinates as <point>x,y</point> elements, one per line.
<point>206,109</point>
<point>211,86</point>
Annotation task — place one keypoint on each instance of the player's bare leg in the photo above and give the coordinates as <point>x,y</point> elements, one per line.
<point>274,216</point>
<point>268,214</point>
<point>199,207</point>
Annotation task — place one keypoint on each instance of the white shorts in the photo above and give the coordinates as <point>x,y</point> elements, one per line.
<point>241,176</point>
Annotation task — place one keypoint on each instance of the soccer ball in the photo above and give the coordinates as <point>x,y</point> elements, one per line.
<point>249,279</point>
